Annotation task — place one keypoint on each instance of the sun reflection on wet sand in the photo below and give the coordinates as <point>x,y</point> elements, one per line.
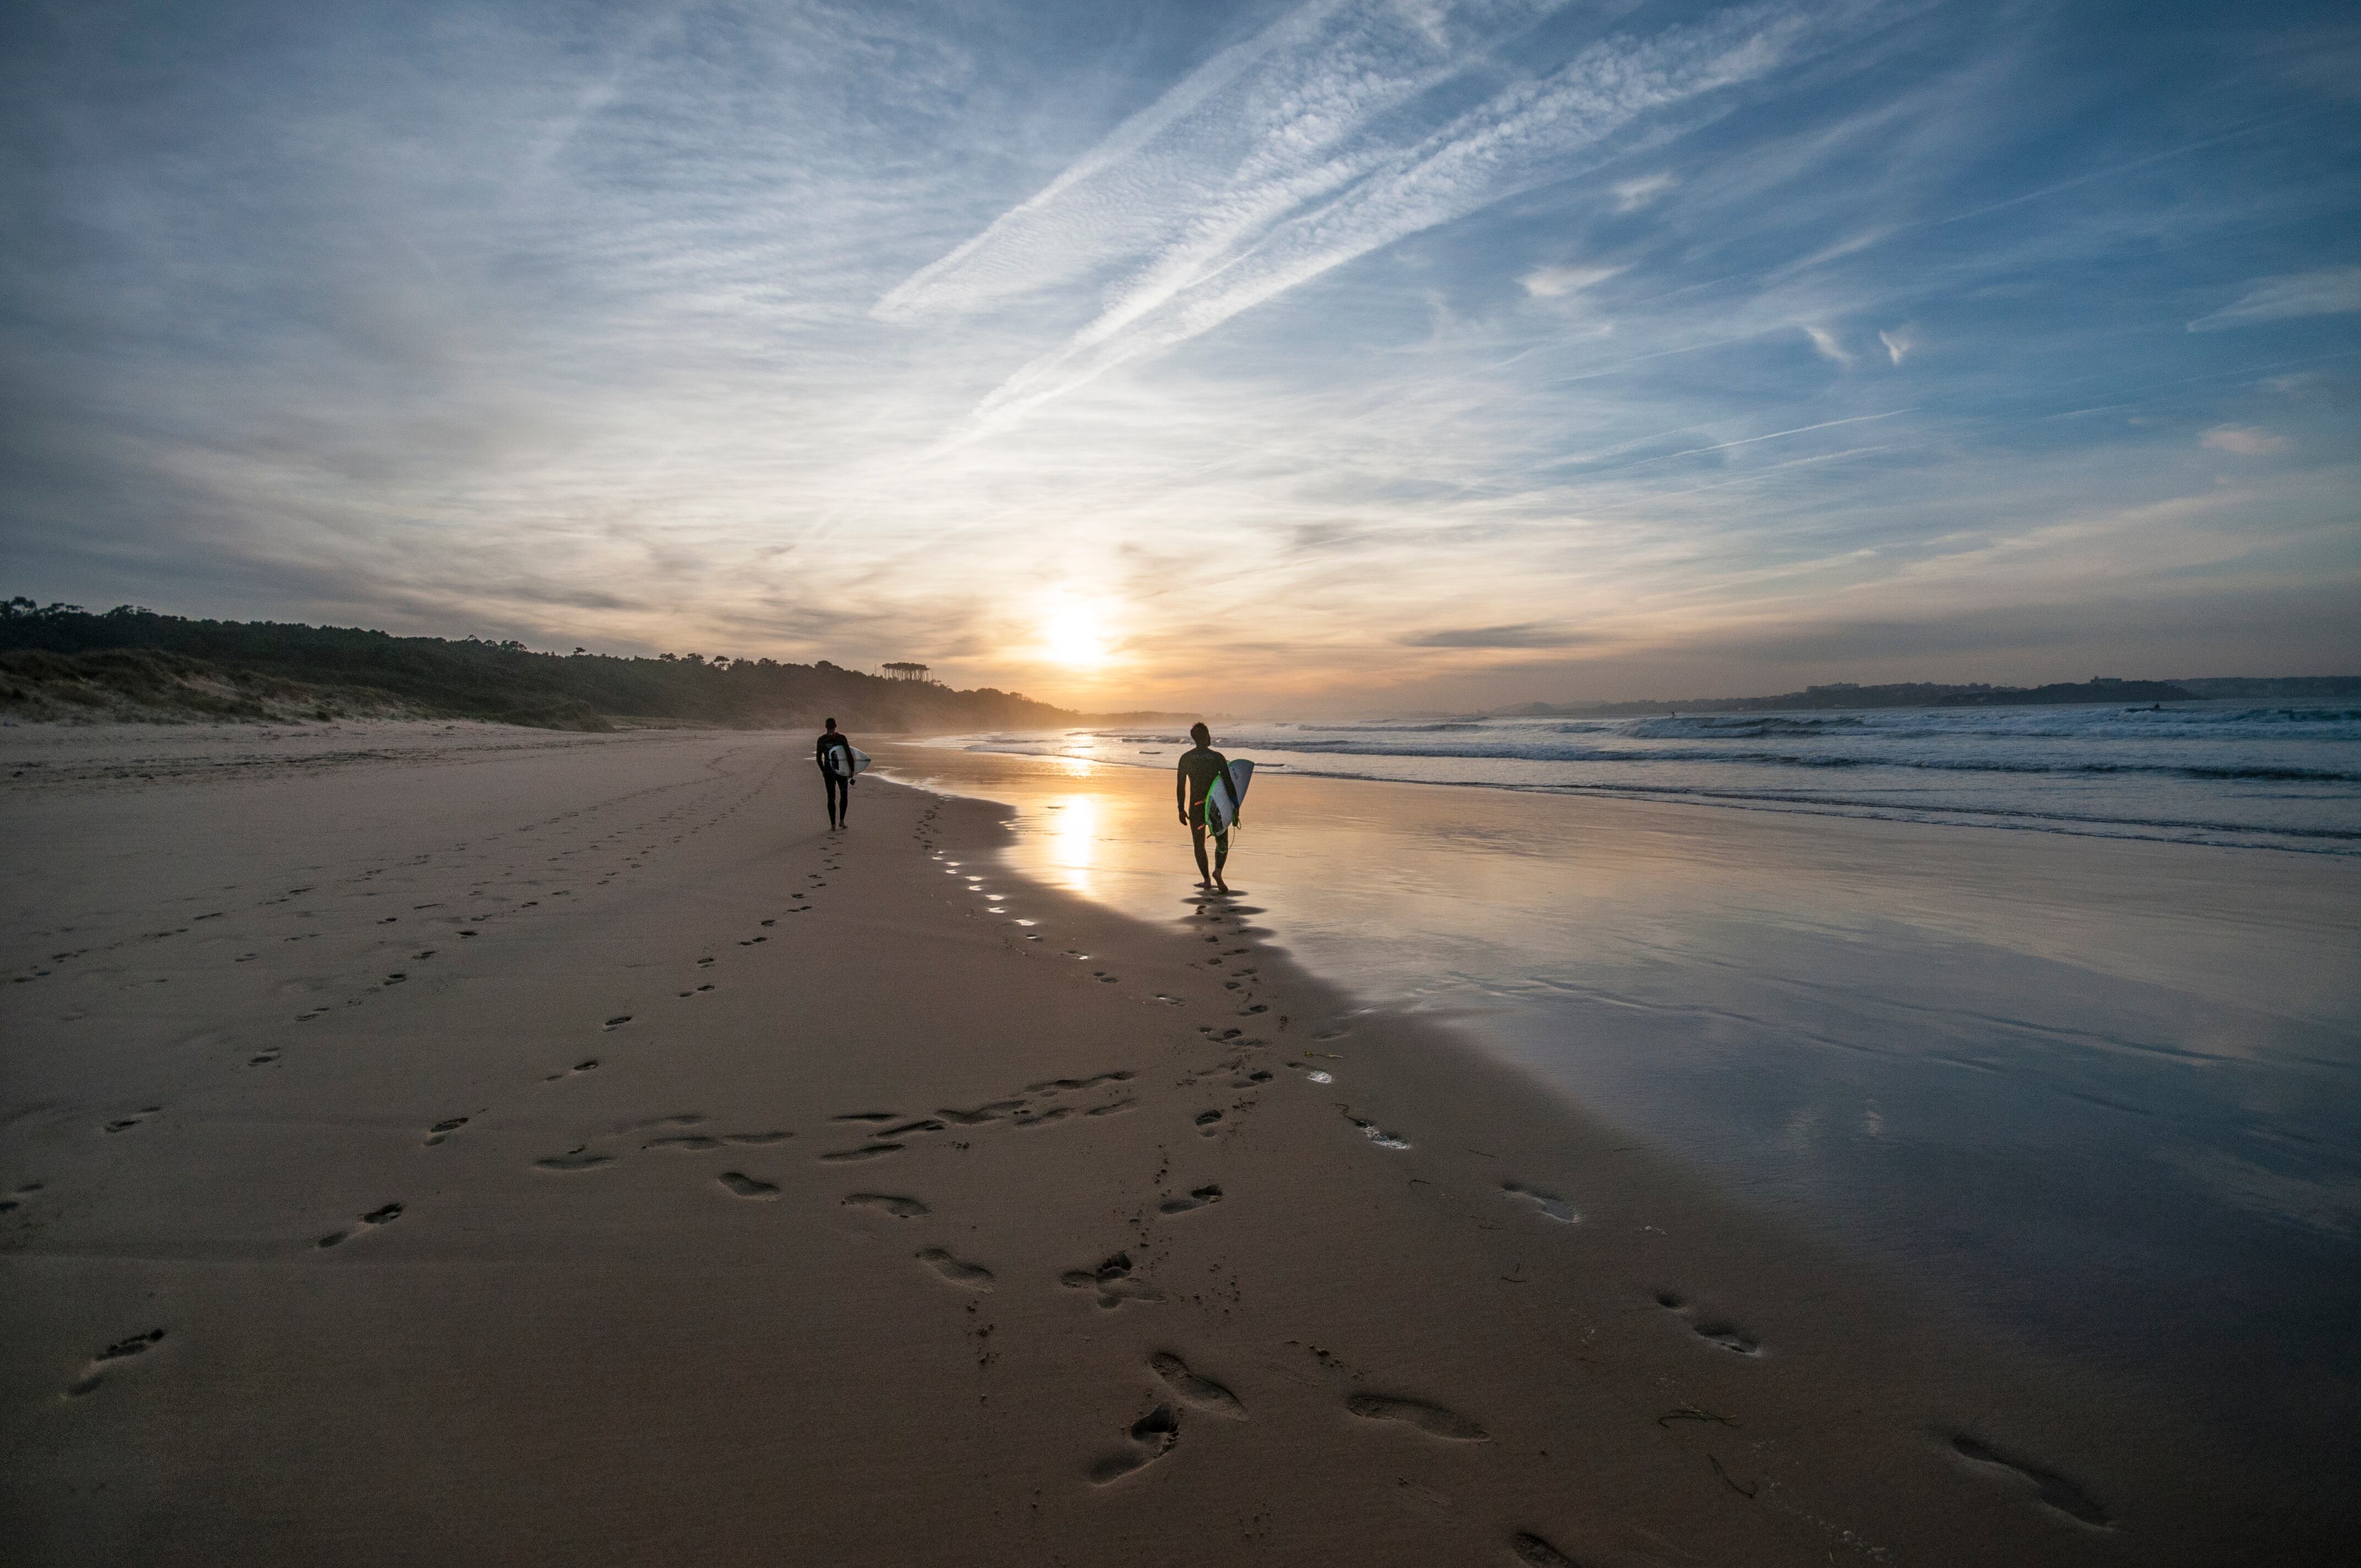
<point>1070,845</point>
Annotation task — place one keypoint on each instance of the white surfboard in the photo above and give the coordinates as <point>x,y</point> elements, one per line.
<point>1221,806</point>
<point>837,763</point>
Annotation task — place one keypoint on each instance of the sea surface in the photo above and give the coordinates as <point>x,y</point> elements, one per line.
<point>2284,777</point>
<point>2056,1011</point>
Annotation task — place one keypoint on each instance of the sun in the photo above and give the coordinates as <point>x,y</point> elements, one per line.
<point>1072,636</point>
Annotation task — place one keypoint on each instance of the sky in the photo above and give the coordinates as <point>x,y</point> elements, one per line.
<point>1345,355</point>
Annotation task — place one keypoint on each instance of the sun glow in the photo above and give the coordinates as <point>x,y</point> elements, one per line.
<point>1072,637</point>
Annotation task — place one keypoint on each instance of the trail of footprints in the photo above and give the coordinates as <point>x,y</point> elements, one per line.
<point>684,1132</point>
<point>1113,1282</point>
<point>482,907</point>
<point>1712,1330</point>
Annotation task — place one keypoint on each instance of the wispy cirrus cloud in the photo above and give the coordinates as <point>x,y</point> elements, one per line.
<point>1262,128</point>
<point>2332,291</point>
<point>1524,634</point>
<point>1632,194</point>
<point>2246,441</point>
<point>670,330</point>
<point>1266,168</point>
<point>1828,346</point>
<point>1556,282</point>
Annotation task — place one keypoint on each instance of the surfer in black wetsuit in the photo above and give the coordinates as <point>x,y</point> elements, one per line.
<point>839,785</point>
<point>1192,782</point>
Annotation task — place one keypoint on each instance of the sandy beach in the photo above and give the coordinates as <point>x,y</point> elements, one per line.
<point>458,1143</point>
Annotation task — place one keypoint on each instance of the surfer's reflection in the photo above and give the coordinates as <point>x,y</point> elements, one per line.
<point>1201,771</point>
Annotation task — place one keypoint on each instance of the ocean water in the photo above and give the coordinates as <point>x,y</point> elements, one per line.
<point>2056,1011</point>
<point>2285,777</point>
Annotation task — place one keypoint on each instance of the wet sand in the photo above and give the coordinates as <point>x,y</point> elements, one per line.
<point>2096,1096</point>
<point>455,1143</point>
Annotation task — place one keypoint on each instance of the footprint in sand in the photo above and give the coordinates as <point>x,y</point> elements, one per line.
<point>981,1113</point>
<point>1112,1281</point>
<point>1717,1331</point>
<point>2053,1489</point>
<point>576,1158</point>
<point>1378,1136</point>
<point>1432,1420</point>
<point>443,1129</point>
<point>1549,1203</point>
<point>745,1186</point>
<point>370,1220</point>
<point>1152,1437</point>
<point>616,1022</point>
<point>591,1066</point>
<point>1199,1197</point>
<point>900,1208</point>
<point>866,1151</point>
<point>127,1122</point>
<point>1532,1549</point>
<point>136,1344</point>
<point>1064,1085</point>
<point>969,1276</point>
<point>1193,1389</point>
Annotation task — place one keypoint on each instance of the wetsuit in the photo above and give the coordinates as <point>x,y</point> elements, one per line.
<point>1197,769</point>
<point>840,789</point>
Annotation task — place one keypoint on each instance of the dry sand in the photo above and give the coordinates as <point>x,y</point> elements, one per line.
<point>430,1143</point>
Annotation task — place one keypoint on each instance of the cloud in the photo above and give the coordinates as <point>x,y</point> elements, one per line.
<point>1632,194</point>
<point>1260,129</point>
<point>1826,341</point>
<point>666,334</point>
<point>2332,290</point>
<point>2245,439</point>
<point>1287,161</point>
<point>1554,282</point>
<point>1524,634</point>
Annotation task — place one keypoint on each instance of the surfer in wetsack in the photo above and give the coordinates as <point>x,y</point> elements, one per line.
<point>1198,770</point>
<point>835,755</point>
